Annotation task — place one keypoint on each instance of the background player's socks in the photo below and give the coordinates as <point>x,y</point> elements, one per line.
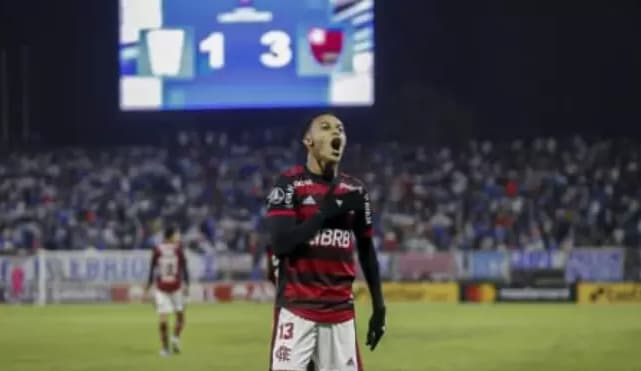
<point>175,344</point>
<point>180,323</point>
<point>164,336</point>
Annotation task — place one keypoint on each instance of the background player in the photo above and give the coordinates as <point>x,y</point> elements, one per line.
<point>314,212</point>
<point>169,269</point>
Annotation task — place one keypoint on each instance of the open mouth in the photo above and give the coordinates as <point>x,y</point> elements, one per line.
<point>336,146</point>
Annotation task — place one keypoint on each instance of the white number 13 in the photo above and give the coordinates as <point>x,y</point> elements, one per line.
<point>280,51</point>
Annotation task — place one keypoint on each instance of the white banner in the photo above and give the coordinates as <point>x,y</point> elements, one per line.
<point>92,266</point>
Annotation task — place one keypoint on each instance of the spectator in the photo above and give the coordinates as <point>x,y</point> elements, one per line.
<point>546,194</point>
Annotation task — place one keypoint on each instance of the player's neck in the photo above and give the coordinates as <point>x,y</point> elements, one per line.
<point>318,168</point>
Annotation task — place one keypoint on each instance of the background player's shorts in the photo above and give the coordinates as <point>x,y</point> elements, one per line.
<point>169,302</point>
<point>297,341</point>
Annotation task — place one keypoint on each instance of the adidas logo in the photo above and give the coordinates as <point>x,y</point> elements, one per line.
<point>350,362</point>
<point>309,201</point>
<point>339,203</point>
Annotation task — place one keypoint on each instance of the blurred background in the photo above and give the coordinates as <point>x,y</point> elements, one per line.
<point>500,142</point>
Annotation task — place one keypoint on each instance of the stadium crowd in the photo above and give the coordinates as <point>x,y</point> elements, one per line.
<point>538,194</point>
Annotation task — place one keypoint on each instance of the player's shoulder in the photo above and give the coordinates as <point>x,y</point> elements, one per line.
<point>291,175</point>
<point>168,247</point>
<point>293,172</point>
<point>350,180</point>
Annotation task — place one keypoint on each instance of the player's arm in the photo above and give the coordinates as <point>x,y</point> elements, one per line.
<point>270,268</point>
<point>152,267</point>
<point>369,264</point>
<point>286,234</point>
<point>184,267</point>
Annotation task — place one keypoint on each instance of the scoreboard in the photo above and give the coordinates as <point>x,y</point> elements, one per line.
<point>220,54</point>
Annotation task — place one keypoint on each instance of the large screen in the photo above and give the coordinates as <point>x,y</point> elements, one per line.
<point>220,54</point>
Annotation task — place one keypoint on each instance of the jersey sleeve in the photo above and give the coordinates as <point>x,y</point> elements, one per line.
<point>363,226</point>
<point>367,253</point>
<point>155,255</point>
<point>271,267</point>
<point>285,231</point>
<point>182,260</point>
<point>280,201</point>
<point>152,265</point>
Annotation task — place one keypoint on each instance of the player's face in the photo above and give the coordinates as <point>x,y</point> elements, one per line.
<point>175,238</point>
<point>326,139</point>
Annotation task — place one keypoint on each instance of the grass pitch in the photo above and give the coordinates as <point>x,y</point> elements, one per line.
<point>236,337</point>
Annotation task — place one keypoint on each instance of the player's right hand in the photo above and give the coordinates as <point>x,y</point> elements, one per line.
<point>334,205</point>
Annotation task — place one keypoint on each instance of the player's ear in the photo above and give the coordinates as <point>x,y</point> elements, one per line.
<point>308,142</point>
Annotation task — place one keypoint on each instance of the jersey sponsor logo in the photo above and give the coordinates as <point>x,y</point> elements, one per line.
<point>332,238</point>
<point>302,183</point>
<point>309,200</point>
<point>368,210</point>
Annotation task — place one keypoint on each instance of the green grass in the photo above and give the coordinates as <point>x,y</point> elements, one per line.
<point>235,337</point>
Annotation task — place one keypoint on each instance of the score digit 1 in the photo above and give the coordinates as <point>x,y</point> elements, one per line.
<point>215,46</point>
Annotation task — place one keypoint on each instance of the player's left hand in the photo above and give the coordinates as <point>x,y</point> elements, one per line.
<point>186,291</point>
<point>376,328</point>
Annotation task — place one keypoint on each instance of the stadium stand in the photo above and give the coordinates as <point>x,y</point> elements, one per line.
<point>537,194</point>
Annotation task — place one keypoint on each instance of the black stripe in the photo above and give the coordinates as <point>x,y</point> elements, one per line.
<point>321,304</point>
<point>329,253</point>
<point>316,279</point>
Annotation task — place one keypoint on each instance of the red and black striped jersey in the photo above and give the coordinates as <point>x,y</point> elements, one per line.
<point>315,281</point>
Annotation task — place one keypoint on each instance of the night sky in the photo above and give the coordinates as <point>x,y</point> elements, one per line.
<point>446,70</point>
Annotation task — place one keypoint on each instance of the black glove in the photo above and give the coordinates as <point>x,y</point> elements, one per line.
<point>376,327</point>
<point>334,205</point>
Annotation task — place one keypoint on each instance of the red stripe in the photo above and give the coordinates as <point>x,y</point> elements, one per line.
<point>271,213</point>
<point>296,170</point>
<point>341,190</point>
<point>312,189</point>
<point>368,233</point>
<point>274,330</point>
<point>331,293</point>
<point>320,189</point>
<point>323,267</point>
